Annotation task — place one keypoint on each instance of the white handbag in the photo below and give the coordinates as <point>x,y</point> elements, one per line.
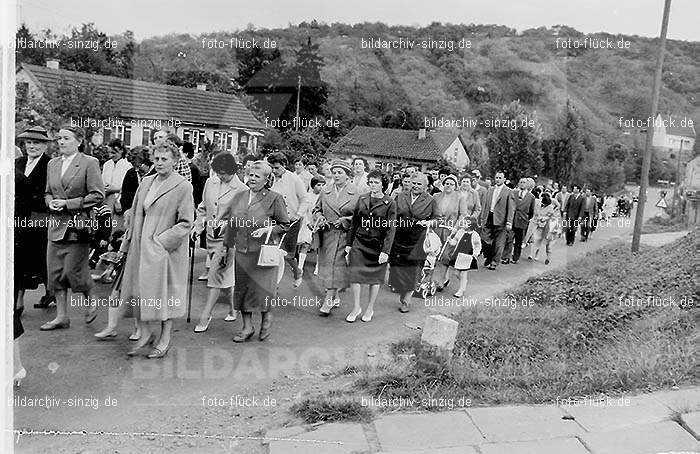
<point>463,261</point>
<point>271,254</point>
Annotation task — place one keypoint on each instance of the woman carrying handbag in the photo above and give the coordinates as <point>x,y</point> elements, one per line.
<point>258,216</point>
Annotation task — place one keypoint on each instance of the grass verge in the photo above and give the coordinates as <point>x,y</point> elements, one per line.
<point>608,323</point>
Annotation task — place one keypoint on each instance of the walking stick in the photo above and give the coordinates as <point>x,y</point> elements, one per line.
<point>189,281</point>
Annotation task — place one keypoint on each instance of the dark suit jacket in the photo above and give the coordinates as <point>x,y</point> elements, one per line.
<point>524,209</point>
<point>574,207</point>
<point>374,223</point>
<point>504,211</point>
<point>267,208</point>
<point>81,187</point>
<point>37,181</point>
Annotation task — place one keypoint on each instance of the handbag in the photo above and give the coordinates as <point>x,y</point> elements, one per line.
<point>463,261</point>
<point>270,254</point>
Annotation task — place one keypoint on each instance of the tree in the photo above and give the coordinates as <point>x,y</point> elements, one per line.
<point>250,61</point>
<point>515,149</point>
<point>567,146</point>
<point>307,69</point>
<point>81,100</point>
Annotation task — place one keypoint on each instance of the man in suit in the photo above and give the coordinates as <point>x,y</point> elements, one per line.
<point>561,197</point>
<point>73,186</point>
<point>524,211</point>
<point>497,218</point>
<point>33,166</point>
<point>590,214</point>
<point>573,212</point>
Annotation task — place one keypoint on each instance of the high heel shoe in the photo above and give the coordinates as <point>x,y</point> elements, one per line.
<point>325,310</point>
<point>367,316</point>
<point>242,337</point>
<point>159,353</point>
<point>137,348</point>
<point>231,317</point>
<point>352,316</point>
<point>106,333</point>
<point>48,326</point>
<point>458,294</point>
<point>202,328</point>
<point>19,376</point>
<point>45,301</point>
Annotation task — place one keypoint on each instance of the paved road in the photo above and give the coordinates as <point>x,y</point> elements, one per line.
<point>206,382</point>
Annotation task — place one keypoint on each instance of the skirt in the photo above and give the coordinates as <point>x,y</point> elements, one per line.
<point>404,274</point>
<point>256,286</point>
<point>218,277</point>
<point>364,265</point>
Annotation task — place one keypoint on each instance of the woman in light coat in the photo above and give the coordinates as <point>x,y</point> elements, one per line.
<point>333,216</point>
<point>156,248</point>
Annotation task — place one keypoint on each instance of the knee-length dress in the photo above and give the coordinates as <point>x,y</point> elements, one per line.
<point>334,204</point>
<point>256,286</point>
<point>372,232</point>
<point>407,254</point>
<point>212,215</point>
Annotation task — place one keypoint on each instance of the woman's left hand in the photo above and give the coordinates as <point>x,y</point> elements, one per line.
<point>261,231</point>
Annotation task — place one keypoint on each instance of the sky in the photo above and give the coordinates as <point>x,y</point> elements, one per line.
<point>148,18</point>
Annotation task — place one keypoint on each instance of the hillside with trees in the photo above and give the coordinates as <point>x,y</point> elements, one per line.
<point>576,96</point>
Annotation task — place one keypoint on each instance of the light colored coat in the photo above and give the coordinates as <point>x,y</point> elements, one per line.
<point>157,245</point>
<point>332,269</point>
<point>215,207</point>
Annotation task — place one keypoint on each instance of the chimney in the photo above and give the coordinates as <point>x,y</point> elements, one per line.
<point>421,133</point>
<point>52,63</point>
<point>202,87</point>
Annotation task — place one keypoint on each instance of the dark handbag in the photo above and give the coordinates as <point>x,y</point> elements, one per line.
<point>84,224</point>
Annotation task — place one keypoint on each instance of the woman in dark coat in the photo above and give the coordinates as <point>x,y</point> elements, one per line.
<point>415,211</point>
<point>254,213</point>
<point>33,167</point>
<point>23,237</point>
<point>369,241</point>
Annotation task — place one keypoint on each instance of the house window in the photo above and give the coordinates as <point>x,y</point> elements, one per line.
<point>243,139</point>
<point>196,136</point>
<point>229,141</point>
<point>146,137</point>
<point>123,133</point>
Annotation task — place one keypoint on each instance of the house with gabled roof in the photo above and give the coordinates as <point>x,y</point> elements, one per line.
<point>390,149</point>
<point>673,134</point>
<point>193,114</point>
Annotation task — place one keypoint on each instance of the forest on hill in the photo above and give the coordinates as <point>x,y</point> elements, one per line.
<point>577,95</point>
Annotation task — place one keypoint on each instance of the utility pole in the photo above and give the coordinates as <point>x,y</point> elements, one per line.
<point>646,162</point>
<point>298,120</point>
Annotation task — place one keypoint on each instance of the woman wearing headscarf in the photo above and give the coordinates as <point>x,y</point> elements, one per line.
<point>256,215</point>
<point>415,211</point>
<point>212,217</point>
<point>33,166</point>
<point>73,186</point>
<point>333,216</point>
<point>369,242</point>
<point>156,247</point>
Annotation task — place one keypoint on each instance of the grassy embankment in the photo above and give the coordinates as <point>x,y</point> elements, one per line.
<point>584,336</point>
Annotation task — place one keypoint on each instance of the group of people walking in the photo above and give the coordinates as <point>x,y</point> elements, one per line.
<point>257,217</point>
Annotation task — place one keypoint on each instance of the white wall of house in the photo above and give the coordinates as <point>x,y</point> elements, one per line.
<point>456,154</point>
